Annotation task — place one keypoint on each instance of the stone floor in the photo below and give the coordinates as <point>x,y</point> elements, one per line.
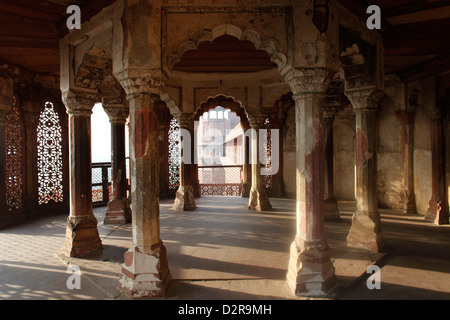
<point>223,251</point>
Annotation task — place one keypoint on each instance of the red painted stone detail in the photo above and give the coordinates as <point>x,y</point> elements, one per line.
<point>146,122</point>
<point>361,147</point>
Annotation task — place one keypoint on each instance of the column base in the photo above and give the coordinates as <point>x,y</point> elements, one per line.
<point>409,203</point>
<point>246,186</point>
<point>145,275</point>
<point>437,212</point>
<point>185,199</point>
<point>259,200</point>
<point>331,211</point>
<point>311,272</point>
<point>82,236</point>
<point>118,212</point>
<point>365,232</point>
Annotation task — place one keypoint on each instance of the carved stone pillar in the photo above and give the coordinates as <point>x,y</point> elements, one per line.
<point>246,166</point>
<point>82,236</point>
<point>145,272</point>
<point>185,197</point>
<point>118,211</point>
<point>331,205</point>
<point>407,121</point>
<point>310,272</point>
<point>365,231</point>
<point>259,198</point>
<point>277,182</point>
<point>194,167</point>
<point>438,206</point>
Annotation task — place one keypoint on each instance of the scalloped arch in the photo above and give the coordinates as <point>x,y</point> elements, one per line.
<point>268,45</point>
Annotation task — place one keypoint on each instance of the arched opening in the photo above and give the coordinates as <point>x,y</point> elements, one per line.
<point>220,151</point>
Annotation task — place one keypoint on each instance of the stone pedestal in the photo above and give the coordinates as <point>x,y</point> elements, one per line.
<point>81,234</point>
<point>185,199</point>
<point>145,275</point>
<point>311,272</point>
<point>82,237</point>
<point>365,231</point>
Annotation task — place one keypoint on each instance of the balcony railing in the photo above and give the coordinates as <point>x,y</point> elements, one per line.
<point>101,183</point>
<point>220,180</point>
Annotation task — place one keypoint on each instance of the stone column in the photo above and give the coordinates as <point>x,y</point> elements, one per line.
<point>246,166</point>
<point>164,159</point>
<point>82,236</point>
<point>331,205</point>
<point>310,271</point>
<point>118,211</point>
<point>145,272</point>
<point>277,182</point>
<point>438,206</point>
<point>194,167</point>
<point>185,198</point>
<point>258,198</point>
<point>407,121</point>
<point>365,231</point>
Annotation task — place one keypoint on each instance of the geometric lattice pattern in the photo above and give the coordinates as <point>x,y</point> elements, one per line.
<point>268,179</point>
<point>220,181</point>
<point>49,156</point>
<point>14,158</point>
<point>174,155</point>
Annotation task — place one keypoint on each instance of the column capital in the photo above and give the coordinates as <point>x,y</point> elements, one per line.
<point>365,99</point>
<point>308,81</point>
<point>116,113</point>
<point>79,102</point>
<point>141,81</point>
<point>257,121</point>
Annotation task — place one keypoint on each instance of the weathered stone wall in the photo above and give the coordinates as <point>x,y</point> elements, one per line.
<point>344,155</point>
<point>390,174</point>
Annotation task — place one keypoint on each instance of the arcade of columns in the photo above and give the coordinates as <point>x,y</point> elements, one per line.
<point>124,58</point>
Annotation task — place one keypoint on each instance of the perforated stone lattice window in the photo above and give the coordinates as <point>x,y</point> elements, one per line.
<point>14,157</point>
<point>174,155</point>
<point>49,156</point>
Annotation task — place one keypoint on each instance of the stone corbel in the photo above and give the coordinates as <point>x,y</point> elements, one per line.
<point>365,99</point>
<point>308,81</point>
<point>79,102</point>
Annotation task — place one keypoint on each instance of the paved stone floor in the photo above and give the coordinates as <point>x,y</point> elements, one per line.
<point>223,251</point>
